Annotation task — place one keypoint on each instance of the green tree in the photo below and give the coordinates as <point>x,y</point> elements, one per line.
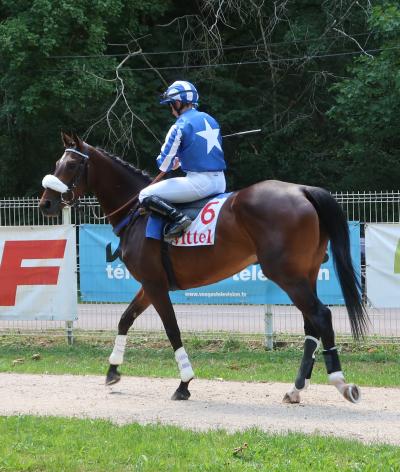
<point>367,109</point>
<point>42,91</point>
<point>266,65</point>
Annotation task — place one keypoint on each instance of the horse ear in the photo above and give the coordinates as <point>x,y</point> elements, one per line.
<point>67,140</point>
<point>76,139</point>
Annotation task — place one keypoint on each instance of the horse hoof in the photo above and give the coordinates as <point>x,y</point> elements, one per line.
<point>181,394</point>
<point>291,397</point>
<point>352,393</point>
<point>113,376</point>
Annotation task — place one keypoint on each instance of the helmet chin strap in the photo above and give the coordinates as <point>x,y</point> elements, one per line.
<point>175,107</point>
<point>183,105</point>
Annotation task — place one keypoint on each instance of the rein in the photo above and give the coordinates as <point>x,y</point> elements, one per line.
<point>131,200</point>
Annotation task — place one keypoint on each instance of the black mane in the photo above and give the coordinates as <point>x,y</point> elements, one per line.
<point>125,164</point>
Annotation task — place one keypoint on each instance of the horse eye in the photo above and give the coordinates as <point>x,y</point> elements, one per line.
<point>71,165</point>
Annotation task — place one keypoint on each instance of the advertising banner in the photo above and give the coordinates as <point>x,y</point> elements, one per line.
<point>38,273</point>
<point>104,278</point>
<point>382,252</point>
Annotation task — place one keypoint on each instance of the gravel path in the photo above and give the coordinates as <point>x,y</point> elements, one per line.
<point>214,404</point>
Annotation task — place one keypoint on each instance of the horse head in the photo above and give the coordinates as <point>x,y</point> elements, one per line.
<point>69,180</point>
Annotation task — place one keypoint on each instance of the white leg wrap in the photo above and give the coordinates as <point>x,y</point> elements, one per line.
<point>337,379</point>
<point>306,384</point>
<point>117,356</point>
<point>185,367</point>
<point>295,390</point>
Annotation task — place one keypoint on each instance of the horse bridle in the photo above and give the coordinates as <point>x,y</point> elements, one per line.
<point>76,178</point>
<point>52,182</point>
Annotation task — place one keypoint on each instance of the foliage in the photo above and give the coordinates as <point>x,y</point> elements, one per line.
<point>367,107</point>
<point>43,92</point>
<point>278,66</point>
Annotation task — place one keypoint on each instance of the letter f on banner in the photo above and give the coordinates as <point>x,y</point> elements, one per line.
<point>13,274</point>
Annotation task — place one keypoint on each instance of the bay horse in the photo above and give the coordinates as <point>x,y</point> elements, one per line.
<point>284,227</point>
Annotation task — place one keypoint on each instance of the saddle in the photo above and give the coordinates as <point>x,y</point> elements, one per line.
<point>156,223</point>
<point>192,209</point>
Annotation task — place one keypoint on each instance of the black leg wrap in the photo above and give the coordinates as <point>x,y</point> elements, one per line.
<point>304,373</point>
<point>307,362</point>
<point>332,361</point>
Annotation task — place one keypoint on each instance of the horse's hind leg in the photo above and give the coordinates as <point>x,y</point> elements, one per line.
<point>311,345</point>
<point>134,309</point>
<point>302,382</point>
<point>331,356</point>
<point>320,318</point>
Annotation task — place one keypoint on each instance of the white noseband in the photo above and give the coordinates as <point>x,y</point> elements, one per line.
<point>54,183</point>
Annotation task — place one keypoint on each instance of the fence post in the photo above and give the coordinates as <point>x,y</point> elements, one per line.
<point>269,328</point>
<point>66,215</point>
<point>69,325</point>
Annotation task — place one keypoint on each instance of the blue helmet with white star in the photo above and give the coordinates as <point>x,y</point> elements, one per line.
<point>182,91</point>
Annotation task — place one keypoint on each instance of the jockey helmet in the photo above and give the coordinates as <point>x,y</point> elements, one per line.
<point>182,91</point>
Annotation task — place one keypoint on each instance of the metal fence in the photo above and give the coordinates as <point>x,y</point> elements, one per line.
<point>207,320</point>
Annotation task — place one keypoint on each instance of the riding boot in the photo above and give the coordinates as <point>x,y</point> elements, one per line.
<point>178,221</point>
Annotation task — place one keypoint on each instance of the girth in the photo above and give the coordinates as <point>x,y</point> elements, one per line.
<point>167,264</point>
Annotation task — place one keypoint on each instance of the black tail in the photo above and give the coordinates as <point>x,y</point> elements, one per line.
<point>333,220</point>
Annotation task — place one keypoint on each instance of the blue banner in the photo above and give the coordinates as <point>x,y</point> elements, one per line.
<point>104,278</point>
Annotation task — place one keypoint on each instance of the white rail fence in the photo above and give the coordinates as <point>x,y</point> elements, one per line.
<point>272,322</point>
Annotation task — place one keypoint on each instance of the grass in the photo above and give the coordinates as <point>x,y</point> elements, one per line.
<point>228,359</point>
<point>58,444</point>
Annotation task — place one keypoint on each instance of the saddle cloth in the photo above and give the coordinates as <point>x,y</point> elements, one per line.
<point>204,215</point>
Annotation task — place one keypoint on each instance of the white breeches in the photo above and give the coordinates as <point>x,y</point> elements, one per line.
<point>194,186</point>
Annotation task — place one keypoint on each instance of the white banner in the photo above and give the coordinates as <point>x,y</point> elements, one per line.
<point>382,252</point>
<point>38,273</point>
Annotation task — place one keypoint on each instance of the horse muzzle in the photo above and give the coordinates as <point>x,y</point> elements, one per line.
<point>50,207</point>
<point>51,201</point>
<point>56,195</point>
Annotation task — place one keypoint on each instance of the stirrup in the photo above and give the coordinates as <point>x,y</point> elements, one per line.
<point>177,228</point>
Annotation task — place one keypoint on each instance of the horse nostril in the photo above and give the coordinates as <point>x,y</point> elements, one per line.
<point>45,206</point>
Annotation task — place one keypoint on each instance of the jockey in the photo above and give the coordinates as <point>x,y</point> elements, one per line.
<point>194,143</point>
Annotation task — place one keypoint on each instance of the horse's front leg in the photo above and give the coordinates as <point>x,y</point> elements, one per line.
<point>162,303</point>
<point>302,382</point>
<point>134,309</point>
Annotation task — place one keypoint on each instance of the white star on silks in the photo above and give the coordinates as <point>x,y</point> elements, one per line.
<point>211,136</point>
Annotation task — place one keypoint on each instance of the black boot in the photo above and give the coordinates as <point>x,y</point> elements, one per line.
<point>178,221</point>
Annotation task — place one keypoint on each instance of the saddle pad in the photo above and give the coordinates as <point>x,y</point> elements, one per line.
<point>202,230</point>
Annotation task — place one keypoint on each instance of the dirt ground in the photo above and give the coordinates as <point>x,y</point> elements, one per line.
<point>214,404</point>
